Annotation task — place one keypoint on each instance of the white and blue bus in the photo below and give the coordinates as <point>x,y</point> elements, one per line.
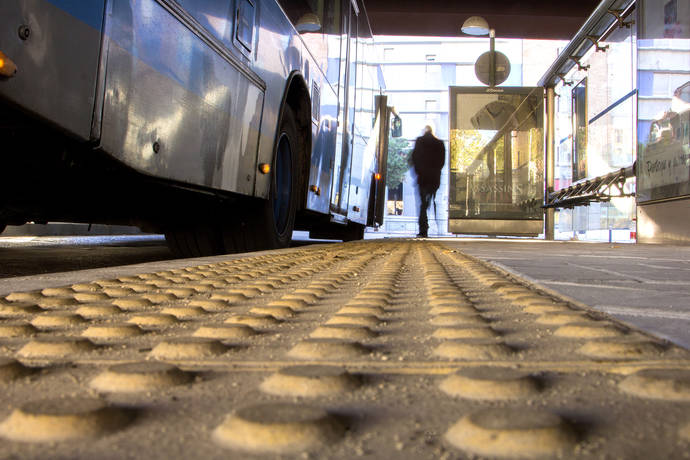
<point>224,124</point>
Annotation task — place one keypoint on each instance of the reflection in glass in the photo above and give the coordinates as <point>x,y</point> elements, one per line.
<point>496,154</point>
<point>580,130</point>
<point>663,129</point>
<point>320,24</point>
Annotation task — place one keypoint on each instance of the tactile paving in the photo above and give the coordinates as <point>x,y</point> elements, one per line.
<point>401,349</point>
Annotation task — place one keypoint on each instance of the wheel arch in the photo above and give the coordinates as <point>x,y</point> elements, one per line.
<point>296,96</point>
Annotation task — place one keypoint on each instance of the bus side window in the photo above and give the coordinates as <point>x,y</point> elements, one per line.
<point>245,24</point>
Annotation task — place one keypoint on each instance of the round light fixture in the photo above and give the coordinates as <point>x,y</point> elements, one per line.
<point>309,22</point>
<point>475,25</point>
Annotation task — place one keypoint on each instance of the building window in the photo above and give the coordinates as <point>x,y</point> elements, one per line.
<point>431,67</point>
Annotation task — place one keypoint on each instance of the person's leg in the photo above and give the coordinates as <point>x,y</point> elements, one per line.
<point>424,199</point>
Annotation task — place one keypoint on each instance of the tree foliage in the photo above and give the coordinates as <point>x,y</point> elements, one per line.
<point>398,155</point>
<point>465,146</point>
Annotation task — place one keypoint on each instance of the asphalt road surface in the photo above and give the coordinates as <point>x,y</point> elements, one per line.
<point>35,255</point>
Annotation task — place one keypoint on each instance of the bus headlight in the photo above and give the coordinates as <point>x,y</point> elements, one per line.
<point>7,67</point>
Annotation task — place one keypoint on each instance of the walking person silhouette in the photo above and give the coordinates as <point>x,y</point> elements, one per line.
<point>428,158</point>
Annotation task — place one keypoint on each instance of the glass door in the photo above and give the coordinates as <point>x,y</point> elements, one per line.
<point>343,157</point>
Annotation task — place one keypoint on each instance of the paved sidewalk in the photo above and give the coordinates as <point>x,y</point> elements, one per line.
<point>647,286</point>
<point>397,349</point>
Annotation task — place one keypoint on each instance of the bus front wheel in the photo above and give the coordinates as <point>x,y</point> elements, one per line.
<point>269,224</point>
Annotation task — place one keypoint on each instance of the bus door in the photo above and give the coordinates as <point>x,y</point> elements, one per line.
<point>346,98</point>
<point>496,142</point>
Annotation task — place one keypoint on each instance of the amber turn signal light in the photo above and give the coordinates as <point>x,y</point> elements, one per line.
<point>377,176</point>
<point>7,67</point>
<point>265,168</point>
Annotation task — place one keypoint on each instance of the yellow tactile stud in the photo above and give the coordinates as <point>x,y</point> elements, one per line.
<point>225,331</point>
<point>133,303</point>
<point>466,332</point>
<point>153,320</point>
<point>185,313</point>
<point>275,311</point>
<point>278,429</point>
<point>57,320</point>
<point>355,319</point>
<point>55,347</point>
<point>32,296</point>
<point>458,319</point>
<point>188,348</point>
<point>92,311</point>
<point>328,349</point>
<point>84,297</point>
<point>112,331</point>
<point>512,433</point>
<point>667,384</point>
<point>138,377</point>
<point>62,419</point>
<point>309,381</point>
<point>474,349</point>
<point>19,310</point>
<point>589,330</point>
<point>632,348</point>
<point>490,383</point>
<point>56,303</point>
<point>17,329</point>
<point>347,332</point>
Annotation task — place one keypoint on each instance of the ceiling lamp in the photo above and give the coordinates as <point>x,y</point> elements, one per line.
<point>475,25</point>
<point>309,22</point>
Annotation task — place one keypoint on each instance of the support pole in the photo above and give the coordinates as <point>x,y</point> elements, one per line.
<point>492,58</point>
<point>549,167</point>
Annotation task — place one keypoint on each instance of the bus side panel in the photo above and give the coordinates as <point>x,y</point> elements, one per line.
<point>57,62</point>
<point>325,127</point>
<point>174,108</point>
<point>278,54</point>
<point>363,162</point>
<point>322,157</point>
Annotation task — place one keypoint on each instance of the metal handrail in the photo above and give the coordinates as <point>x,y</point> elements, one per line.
<point>606,14</point>
<point>587,191</point>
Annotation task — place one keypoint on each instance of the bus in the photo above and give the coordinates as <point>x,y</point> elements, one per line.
<point>224,124</point>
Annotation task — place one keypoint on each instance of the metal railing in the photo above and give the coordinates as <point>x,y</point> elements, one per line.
<point>598,189</point>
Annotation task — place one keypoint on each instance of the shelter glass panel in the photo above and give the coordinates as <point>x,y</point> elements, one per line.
<point>496,156</point>
<point>663,130</point>
<point>579,130</point>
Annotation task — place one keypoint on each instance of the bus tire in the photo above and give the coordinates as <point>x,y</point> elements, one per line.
<point>268,224</point>
<point>353,232</point>
<point>238,236</point>
<point>276,216</point>
<point>194,241</point>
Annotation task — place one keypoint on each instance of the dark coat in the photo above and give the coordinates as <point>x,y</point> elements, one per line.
<point>428,157</point>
